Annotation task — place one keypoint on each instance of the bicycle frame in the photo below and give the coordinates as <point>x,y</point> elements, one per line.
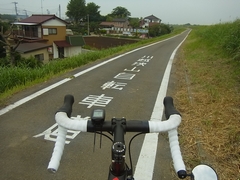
<point>118,168</point>
<point>118,127</point>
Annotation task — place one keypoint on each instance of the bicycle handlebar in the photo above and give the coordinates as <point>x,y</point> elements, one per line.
<point>169,107</point>
<point>67,105</point>
<point>64,121</point>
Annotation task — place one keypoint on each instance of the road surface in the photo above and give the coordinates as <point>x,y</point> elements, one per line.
<point>126,86</point>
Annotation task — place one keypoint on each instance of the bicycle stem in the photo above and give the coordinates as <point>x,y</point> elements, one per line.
<point>118,167</point>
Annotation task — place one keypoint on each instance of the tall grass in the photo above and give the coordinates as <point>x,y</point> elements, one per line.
<point>18,76</point>
<point>224,37</point>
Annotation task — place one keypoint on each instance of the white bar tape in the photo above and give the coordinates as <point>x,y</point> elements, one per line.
<point>66,122</point>
<point>58,150</point>
<point>163,126</point>
<point>175,150</point>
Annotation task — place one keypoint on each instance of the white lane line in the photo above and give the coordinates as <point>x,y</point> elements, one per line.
<point>146,160</point>
<point>32,96</point>
<point>28,98</point>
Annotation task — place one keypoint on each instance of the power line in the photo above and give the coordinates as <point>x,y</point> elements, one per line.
<point>18,9</point>
<point>25,12</point>
<point>15,3</point>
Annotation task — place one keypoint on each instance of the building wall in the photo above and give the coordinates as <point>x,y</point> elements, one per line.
<point>41,51</point>
<point>55,51</point>
<point>61,34</point>
<point>68,51</point>
<point>61,30</point>
<point>72,51</point>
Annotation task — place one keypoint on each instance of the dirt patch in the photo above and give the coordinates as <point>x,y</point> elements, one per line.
<point>107,42</point>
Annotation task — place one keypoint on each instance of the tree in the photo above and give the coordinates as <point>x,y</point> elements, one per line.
<point>2,49</point>
<point>93,12</point>
<point>134,22</point>
<point>10,50</point>
<point>76,10</point>
<point>94,16</point>
<point>165,29</point>
<point>4,27</point>
<point>155,30</point>
<point>159,29</point>
<point>109,18</point>
<point>120,12</point>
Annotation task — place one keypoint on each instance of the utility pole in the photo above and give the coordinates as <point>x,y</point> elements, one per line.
<point>15,3</point>
<point>59,11</point>
<point>42,6</point>
<point>25,13</point>
<point>88,24</point>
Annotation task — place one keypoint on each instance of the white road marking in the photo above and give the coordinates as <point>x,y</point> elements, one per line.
<point>113,85</point>
<point>146,160</point>
<point>51,133</point>
<point>126,76</point>
<point>32,96</point>
<point>28,98</point>
<point>95,100</point>
<point>145,165</point>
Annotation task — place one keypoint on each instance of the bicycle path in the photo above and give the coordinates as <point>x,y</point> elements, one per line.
<point>126,85</point>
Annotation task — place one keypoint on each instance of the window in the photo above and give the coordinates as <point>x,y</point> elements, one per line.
<point>39,57</point>
<point>52,31</point>
<point>45,32</point>
<point>30,31</point>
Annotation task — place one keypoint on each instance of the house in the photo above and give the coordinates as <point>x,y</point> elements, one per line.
<point>46,33</point>
<point>116,25</point>
<point>149,21</point>
<point>39,51</point>
<point>123,26</point>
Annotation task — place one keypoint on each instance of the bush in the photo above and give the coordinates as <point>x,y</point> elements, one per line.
<point>28,62</point>
<point>155,30</point>
<point>21,62</point>
<point>102,31</point>
<point>4,62</point>
<point>159,29</point>
<point>165,29</point>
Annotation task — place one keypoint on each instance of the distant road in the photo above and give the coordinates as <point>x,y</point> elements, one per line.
<point>127,85</point>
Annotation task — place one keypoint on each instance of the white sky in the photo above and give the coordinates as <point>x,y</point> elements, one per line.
<point>170,11</point>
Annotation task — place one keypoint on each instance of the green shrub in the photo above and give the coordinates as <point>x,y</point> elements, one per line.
<point>30,62</point>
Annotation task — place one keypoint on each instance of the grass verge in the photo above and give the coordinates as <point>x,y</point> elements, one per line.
<point>207,95</point>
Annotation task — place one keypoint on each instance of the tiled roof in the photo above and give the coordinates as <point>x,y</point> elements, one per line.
<point>71,41</point>
<point>152,17</point>
<point>62,43</point>
<point>28,47</point>
<point>111,24</point>
<point>120,20</point>
<point>40,18</point>
<point>75,40</point>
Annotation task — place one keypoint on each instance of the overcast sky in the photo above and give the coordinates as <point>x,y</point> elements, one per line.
<point>170,11</point>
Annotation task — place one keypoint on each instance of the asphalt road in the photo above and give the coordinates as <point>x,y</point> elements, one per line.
<point>126,87</point>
